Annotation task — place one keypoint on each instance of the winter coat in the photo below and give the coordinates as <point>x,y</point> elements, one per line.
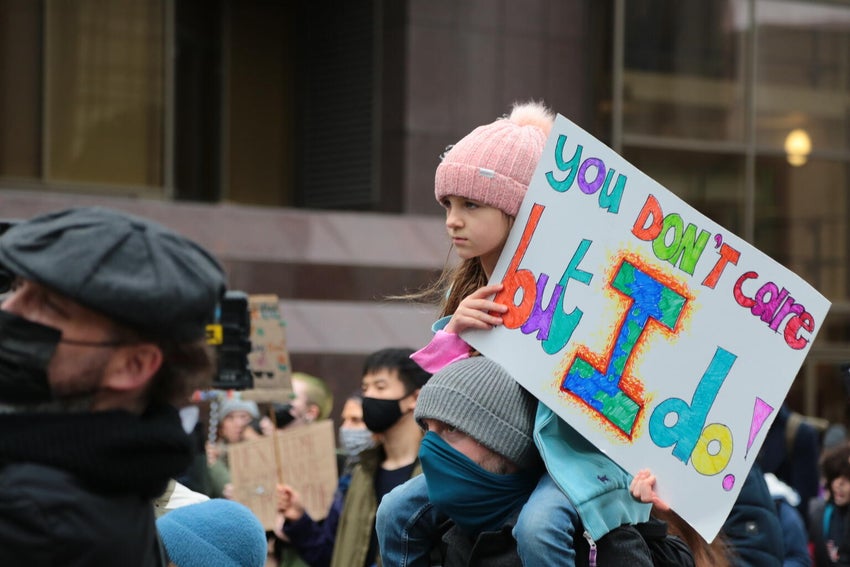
<point>752,528</point>
<point>624,546</point>
<point>824,516</point>
<point>77,489</point>
<point>48,517</point>
<point>489,549</point>
<point>596,486</point>
<point>794,530</point>
<point>314,541</point>
<point>357,519</point>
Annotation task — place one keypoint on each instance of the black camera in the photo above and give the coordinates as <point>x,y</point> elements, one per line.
<point>231,337</point>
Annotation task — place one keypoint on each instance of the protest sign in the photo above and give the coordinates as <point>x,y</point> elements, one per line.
<point>305,459</point>
<point>269,356</point>
<point>663,338</point>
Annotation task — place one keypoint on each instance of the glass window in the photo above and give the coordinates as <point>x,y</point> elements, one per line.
<point>763,148</point>
<point>803,73</point>
<point>684,70</point>
<point>260,103</point>
<point>20,89</point>
<point>684,78</point>
<point>801,220</point>
<point>104,90</point>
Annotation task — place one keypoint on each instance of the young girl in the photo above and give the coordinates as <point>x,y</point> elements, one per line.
<point>481,182</point>
<point>829,519</point>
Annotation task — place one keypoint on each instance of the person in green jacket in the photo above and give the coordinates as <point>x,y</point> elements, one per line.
<point>390,384</point>
<point>234,417</point>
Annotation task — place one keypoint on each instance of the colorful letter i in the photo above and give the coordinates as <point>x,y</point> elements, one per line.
<point>651,300</point>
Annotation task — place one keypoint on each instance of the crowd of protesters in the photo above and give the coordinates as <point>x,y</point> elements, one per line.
<point>443,456</point>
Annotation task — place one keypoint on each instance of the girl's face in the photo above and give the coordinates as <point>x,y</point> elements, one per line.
<point>840,489</point>
<point>233,425</point>
<point>476,230</point>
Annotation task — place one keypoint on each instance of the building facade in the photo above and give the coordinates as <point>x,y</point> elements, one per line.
<point>298,139</point>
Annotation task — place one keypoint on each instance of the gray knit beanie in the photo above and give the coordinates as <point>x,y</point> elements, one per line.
<point>478,397</point>
<point>235,404</point>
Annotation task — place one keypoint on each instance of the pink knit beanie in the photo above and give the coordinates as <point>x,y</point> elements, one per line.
<point>493,164</point>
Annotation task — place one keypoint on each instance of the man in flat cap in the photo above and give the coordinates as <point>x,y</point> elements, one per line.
<point>102,333</point>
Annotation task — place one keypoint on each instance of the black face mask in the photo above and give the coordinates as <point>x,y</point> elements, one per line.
<point>25,351</point>
<point>379,415</point>
<point>283,415</point>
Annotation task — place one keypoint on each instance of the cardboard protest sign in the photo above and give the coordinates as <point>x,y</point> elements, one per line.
<point>269,356</point>
<point>666,340</point>
<point>306,456</point>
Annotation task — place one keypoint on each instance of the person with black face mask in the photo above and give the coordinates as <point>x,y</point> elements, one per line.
<point>390,386</point>
<point>102,334</point>
<point>311,400</point>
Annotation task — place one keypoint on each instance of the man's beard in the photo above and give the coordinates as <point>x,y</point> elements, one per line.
<point>86,380</point>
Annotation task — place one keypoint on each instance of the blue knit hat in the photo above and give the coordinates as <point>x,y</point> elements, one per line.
<point>216,532</point>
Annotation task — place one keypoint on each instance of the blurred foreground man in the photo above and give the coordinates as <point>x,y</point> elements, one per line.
<point>102,332</point>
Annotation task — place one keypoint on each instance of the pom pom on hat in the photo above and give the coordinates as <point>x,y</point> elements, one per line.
<point>478,397</point>
<point>494,163</point>
<point>216,532</point>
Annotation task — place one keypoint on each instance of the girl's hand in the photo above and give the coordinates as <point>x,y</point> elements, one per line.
<point>289,503</point>
<point>643,489</point>
<point>477,312</point>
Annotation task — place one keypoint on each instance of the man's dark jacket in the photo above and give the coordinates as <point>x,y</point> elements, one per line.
<point>752,529</point>
<point>76,489</point>
<point>623,547</point>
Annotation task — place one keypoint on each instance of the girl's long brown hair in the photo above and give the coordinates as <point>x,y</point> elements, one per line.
<point>454,284</point>
<point>714,554</point>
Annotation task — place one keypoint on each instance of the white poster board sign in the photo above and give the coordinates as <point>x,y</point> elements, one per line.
<point>666,340</point>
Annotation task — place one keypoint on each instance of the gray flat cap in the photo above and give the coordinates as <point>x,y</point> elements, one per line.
<point>128,268</point>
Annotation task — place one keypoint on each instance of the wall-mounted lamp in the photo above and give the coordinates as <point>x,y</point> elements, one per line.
<point>798,146</point>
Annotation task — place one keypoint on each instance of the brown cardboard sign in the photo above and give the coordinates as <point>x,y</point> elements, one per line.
<point>269,356</point>
<point>306,457</point>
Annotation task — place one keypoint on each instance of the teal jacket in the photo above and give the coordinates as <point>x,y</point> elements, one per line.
<point>595,485</point>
